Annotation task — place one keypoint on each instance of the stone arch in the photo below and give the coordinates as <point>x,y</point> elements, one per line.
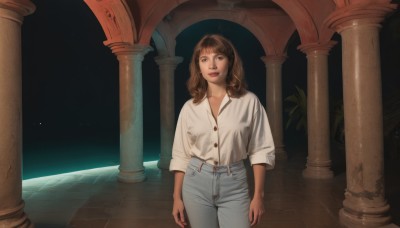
<point>301,18</point>
<point>154,17</point>
<point>129,22</point>
<point>160,43</point>
<point>115,19</point>
<point>239,19</point>
<point>164,40</point>
<point>308,20</point>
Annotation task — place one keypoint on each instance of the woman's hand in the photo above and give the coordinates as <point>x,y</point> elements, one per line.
<point>257,204</point>
<point>256,210</point>
<point>178,213</point>
<point>178,207</point>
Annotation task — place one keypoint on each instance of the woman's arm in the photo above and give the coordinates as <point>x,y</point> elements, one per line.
<point>257,203</point>
<point>178,207</point>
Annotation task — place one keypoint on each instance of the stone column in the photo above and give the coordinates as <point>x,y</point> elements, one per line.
<point>130,59</point>
<point>318,160</point>
<point>273,64</point>
<point>11,203</point>
<point>167,105</point>
<point>365,203</point>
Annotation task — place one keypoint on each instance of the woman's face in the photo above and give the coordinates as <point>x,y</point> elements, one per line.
<point>214,67</point>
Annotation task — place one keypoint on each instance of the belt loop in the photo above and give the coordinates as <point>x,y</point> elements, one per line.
<point>229,170</point>
<point>199,169</point>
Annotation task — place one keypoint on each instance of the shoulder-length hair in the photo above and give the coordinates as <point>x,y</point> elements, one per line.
<point>235,84</point>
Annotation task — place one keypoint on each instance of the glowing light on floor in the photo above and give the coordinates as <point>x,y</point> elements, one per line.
<point>96,171</point>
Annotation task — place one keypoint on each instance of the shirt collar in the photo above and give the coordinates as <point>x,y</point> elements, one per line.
<point>225,101</point>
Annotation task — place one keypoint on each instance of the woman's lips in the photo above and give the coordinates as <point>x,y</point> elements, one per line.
<point>213,74</point>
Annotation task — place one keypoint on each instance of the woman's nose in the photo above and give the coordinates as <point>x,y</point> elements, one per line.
<point>212,65</point>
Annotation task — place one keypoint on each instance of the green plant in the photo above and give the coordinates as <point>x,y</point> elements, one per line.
<point>297,110</point>
<point>391,117</point>
<point>337,130</point>
<point>297,113</point>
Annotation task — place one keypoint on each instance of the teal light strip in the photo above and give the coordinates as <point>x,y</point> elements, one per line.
<point>96,171</point>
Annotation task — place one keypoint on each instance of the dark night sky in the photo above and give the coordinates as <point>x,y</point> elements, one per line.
<point>70,79</point>
<point>67,71</point>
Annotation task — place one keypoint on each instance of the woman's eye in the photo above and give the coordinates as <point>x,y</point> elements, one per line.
<point>221,57</point>
<point>203,60</point>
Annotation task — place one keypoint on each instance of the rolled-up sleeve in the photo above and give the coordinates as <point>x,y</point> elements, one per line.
<point>180,149</point>
<point>261,147</point>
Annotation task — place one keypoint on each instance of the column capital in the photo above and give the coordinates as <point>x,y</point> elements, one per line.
<point>273,59</point>
<point>18,8</point>
<point>370,13</point>
<point>317,48</point>
<point>22,7</point>
<point>138,50</point>
<point>167,60</point>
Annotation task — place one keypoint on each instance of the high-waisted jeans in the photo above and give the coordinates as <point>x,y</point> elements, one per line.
<point>216,196</point>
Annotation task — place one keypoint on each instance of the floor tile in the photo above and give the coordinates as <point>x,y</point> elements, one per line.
<point>96,199</point>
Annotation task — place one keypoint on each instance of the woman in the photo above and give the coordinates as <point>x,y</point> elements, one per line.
<point>217,129</point>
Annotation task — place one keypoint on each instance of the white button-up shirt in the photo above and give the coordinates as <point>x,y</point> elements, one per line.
<point>241,130</point>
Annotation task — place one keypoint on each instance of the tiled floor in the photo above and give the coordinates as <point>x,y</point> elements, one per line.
<point>95,199</point>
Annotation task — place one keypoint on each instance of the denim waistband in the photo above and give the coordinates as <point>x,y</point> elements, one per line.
<point>202,165</point>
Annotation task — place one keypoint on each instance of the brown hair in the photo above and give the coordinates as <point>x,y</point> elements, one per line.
<point>197,85</point>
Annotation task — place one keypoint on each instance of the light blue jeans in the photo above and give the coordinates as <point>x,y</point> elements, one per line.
<point>216,196</point>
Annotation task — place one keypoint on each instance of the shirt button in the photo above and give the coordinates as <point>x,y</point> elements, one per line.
<point>215,128</point>
<point>215,144</point>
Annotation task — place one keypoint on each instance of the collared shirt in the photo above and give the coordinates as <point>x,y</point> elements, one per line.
<point>241,130</point>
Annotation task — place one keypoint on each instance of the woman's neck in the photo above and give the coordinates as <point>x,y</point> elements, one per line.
<point>216,90</point>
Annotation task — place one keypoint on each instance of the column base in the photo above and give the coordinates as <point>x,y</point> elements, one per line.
<point>317,172</point>
<point>131,176</point>
<point>163,163</point>
<point>280,153</point>
<point>358,219</point>
<point>15,217</point>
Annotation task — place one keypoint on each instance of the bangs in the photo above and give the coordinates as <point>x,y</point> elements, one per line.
<point>208,50</point>
<point>212,45</point>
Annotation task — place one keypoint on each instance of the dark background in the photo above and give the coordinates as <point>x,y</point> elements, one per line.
<point>70,84</point>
